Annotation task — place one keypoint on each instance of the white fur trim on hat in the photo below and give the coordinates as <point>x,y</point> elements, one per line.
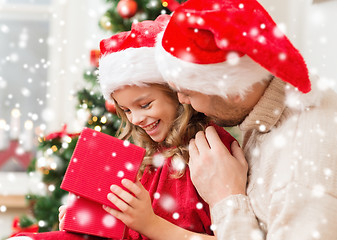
<point>232,77</point>
<point>132,66</point>
<point>300,101</point>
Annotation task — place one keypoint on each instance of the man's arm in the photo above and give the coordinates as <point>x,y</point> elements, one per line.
<point>221,180</point>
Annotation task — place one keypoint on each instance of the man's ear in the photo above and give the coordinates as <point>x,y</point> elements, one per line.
<point>238,98</point>
<point>235,98</point>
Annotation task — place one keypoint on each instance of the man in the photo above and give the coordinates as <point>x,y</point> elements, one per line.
<point>229,60</point>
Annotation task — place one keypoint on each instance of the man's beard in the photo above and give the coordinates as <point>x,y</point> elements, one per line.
<point>227,115</point>
<point>228,122</point>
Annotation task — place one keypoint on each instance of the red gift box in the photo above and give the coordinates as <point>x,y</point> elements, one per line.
<point>88,217</point>
<point>99,160</point>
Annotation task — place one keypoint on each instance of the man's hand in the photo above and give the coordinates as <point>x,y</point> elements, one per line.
<point>215,173</point>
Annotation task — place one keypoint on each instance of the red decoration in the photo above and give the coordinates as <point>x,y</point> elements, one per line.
<point>98,161</point>
<point>94,57</point>
<point>110,107</point>
<point>12,152</point>
<point>61,134</point>
<point>170,4</point>
<point>18,229</point>
<point>127,8</point>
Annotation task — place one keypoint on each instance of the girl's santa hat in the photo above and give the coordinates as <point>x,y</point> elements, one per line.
<point>128,58</point>
<point>223,47</point>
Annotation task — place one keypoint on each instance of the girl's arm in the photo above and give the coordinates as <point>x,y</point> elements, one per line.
<point>137,213</point>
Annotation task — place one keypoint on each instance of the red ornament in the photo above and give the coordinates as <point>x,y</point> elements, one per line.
<point>110,107</point>
<point>94,57</point>
<point>127,8</point>
<point>170,4</point>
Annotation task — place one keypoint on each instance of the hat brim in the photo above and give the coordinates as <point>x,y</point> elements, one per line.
<point>233,77</point>
<point>132,66</point>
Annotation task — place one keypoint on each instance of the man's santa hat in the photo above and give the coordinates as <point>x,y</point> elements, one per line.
<point>128,58</point>
<point>223,47</point>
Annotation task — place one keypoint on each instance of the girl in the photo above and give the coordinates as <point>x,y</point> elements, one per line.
<point>164,203</point>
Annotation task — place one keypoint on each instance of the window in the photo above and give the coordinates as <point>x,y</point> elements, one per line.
<point>24,62</point>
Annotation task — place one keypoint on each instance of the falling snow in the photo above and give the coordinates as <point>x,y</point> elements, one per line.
<point>126,143</point>
<point>156,195</point>
<point>3,208</point>
<point>42,223</point>
<point>120,174</point>
<point>233,58</point>
<point>158,160</point>
<point>31,96</point>
<point>129,166</point>
<point>83,217</point>
<point>109,221</point>
<point>175,216</point>
<point>167,202</point>
<point>178,164</point>
<point>199,205</point>
<point>316,235</point>
<point>213,227</point>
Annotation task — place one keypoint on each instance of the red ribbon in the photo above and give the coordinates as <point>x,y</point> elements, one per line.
<point>18,229</point>
<point>61,134</point>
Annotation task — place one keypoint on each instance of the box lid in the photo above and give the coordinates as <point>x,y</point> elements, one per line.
<point>98,161</point>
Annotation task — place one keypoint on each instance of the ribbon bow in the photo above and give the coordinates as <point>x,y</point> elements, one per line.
<point>61,134</point>
<point>18,229</point>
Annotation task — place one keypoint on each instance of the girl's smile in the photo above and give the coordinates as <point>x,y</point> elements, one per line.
<point>151,128</point>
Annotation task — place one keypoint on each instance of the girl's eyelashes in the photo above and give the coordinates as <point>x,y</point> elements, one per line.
<point>125,110</point>
<point>146,105</point>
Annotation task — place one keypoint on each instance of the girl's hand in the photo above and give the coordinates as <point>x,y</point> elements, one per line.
<point>135,211</point>
<point>62,213</point>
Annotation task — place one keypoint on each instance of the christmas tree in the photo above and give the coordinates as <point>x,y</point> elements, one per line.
<point>55,150</point>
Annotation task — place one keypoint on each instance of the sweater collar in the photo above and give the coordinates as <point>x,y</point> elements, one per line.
<point>280,100</point>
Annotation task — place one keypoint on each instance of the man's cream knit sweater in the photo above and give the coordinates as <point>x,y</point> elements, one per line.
<point>290,143</point>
